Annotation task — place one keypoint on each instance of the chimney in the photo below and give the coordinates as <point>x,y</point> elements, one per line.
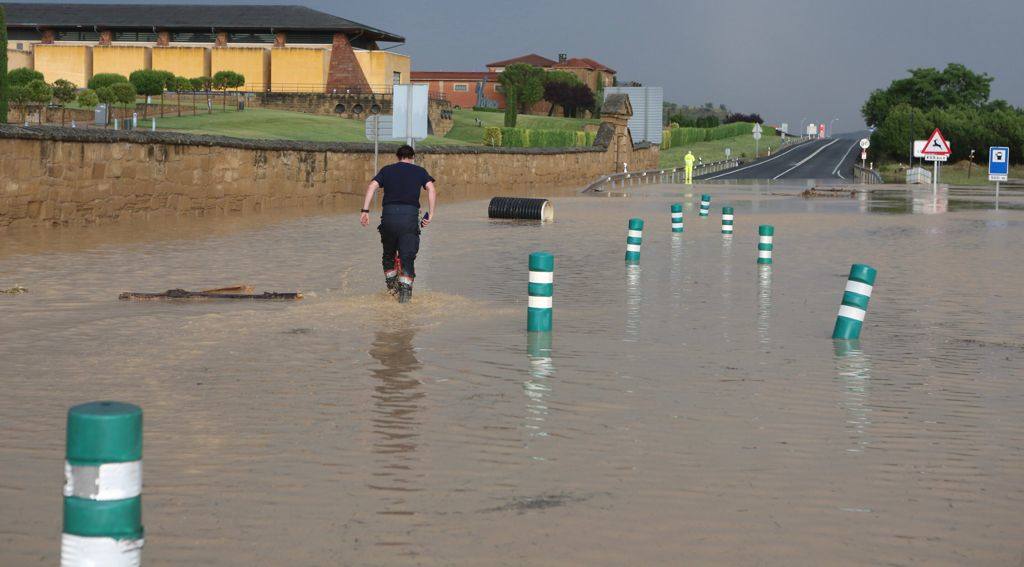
<point>562,57</point>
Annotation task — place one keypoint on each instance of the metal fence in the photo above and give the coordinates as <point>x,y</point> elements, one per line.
<point>655,176</point>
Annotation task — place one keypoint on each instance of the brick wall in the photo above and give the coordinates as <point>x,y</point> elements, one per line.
<point>58,176</point>
<point>344,70</point>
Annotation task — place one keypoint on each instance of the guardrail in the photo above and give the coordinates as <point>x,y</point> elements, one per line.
<point>866,175</point>
<point>653,176</point>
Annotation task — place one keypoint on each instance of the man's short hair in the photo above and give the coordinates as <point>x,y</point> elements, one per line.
<point>405,152</point>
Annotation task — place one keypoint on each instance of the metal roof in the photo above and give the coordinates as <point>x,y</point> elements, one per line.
<point>186,17</point>
<point>530,59</point>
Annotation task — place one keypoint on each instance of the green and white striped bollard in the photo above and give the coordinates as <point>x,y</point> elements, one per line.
<point>727,218</point>
<point>705,205</point>
<point>677,217</point>
<point>103,486</point>
<point>766,234</point>
<point>541,289</point>
<point>855,302</point>
<point>634,238</point>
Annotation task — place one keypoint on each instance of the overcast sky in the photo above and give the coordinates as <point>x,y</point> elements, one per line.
<point>787,59</point>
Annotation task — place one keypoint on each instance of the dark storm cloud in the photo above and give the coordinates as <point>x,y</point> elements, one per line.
<point>786,59</point>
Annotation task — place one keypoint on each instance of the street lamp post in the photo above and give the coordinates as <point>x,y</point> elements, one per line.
<point>830,126</point>
<point>802,131</point>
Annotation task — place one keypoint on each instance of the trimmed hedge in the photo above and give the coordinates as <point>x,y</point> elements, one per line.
<point>526,138</point>
<point>685,136</point>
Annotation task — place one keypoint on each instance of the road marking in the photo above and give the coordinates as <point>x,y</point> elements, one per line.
<point>777,156</point>
<point>806,159</point>
<point>842,159</point>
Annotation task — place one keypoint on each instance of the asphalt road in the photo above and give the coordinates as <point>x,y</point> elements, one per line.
<point>831,158</point>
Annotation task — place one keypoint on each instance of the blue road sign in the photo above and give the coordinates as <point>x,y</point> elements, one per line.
<point>998,163</point>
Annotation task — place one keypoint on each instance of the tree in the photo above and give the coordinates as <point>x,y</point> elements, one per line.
<point>64,91</point>
<point>557,85</point>
<point>123,93</point>
<point>38,94</point>
<point>3,67</point>
<point>524,85</point>
<point>18,97</point>
<point>100,80</point>
<point>201,83</point>
<point>181,84</point>
<point>147,83</point>
<point>929,88</point>
<point>88,99</point>
<point>599,94</point>
<point>23,76</point>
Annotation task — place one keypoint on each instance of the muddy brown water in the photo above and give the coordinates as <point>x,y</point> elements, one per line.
<point>690,411</point>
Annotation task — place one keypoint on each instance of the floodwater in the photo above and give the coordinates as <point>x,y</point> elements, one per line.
<point>689,411</point>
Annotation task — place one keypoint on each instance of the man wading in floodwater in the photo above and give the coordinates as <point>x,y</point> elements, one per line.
<point>400,218</point>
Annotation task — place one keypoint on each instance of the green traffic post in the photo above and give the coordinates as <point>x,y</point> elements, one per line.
<point>766,236</point>
<point>677,217</point>
<point>103,486</point>
<point>705,205</point>
<point>854,306</point>
<point>541,291</point>
<point>727,219</point>
<point>634,238</point>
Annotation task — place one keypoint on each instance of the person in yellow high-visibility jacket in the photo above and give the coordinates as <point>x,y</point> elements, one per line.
<point>689,167</point>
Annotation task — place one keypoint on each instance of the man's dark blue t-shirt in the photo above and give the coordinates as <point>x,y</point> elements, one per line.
<point>402,183</point>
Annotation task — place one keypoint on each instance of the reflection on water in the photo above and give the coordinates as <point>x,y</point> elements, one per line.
<point>634,300</point>
<point>764,302</point>
<point>538,386</point>
<point>676,270</point>
<point>853,370</point>
<point>397,401</point>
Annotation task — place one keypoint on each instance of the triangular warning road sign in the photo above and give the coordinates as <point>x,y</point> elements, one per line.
<point>936,145</point>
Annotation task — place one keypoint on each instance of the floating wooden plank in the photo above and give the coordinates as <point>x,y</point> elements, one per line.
<point>210,294</point>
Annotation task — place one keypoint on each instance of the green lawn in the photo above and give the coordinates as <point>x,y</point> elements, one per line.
<point>715,150</point>
<point>277,125</point>
<point>959,173</point>
<point>466,130</point>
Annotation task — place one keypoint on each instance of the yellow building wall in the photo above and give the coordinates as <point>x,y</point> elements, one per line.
<point>69,62</point>
<point>121,59</point>
<point>18,59</point>
<point>188,62</point>
<point>380,66</point>
<point>252,62</point>
<point>298,69</point>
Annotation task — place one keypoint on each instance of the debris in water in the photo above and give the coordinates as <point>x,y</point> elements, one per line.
<point>16,290</point>
<point>831,192</point>
<point>242,291</point>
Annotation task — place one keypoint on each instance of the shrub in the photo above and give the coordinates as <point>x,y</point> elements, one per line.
<point>181,84</point>
<point>551,138</point>
<point>515,137</point>
<point>591,137</point>
<point>487,109</point>
<point>201,83</point>
<point>64,91</point>
<point>100,80</point>
<point>3,67</point>
<point>23,76</point>
<point>492,136</point>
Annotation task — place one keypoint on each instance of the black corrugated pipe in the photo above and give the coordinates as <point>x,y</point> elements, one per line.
<point>521,208</point>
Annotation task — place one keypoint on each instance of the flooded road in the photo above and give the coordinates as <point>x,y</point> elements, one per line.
<point>692,410</point>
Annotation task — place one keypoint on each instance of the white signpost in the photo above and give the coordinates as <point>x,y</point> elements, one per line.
<point>757,139</point>
<point>378,127</point>
<point>936,149</point>
<point>728,152</point>
<point>811,130</point>
<point>410,106</point>
<point>864,145</point>
<point>785,128</point>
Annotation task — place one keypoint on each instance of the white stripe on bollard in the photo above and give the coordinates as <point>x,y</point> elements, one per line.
<point>635,233</point>
<point>632,248</point>
<point>540,302</point>
<point>858,287</point>
<point>852,312</point>
<point>76,551</point>
<point>542,277</point>
<point>109,481</point>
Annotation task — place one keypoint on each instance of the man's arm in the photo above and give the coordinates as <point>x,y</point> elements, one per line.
<point>431,201</point>
<point>364,217</point>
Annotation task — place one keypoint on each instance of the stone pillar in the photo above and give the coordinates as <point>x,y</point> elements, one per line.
<point>344,72</point>
<point>221,40</point>
<point>48,36</point>
<point>163,38</point>
<point>106,37</point>
<point>615,114</point>
<point>280,38</point>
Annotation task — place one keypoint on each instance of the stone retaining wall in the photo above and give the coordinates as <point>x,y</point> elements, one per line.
<point>52,176</point>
